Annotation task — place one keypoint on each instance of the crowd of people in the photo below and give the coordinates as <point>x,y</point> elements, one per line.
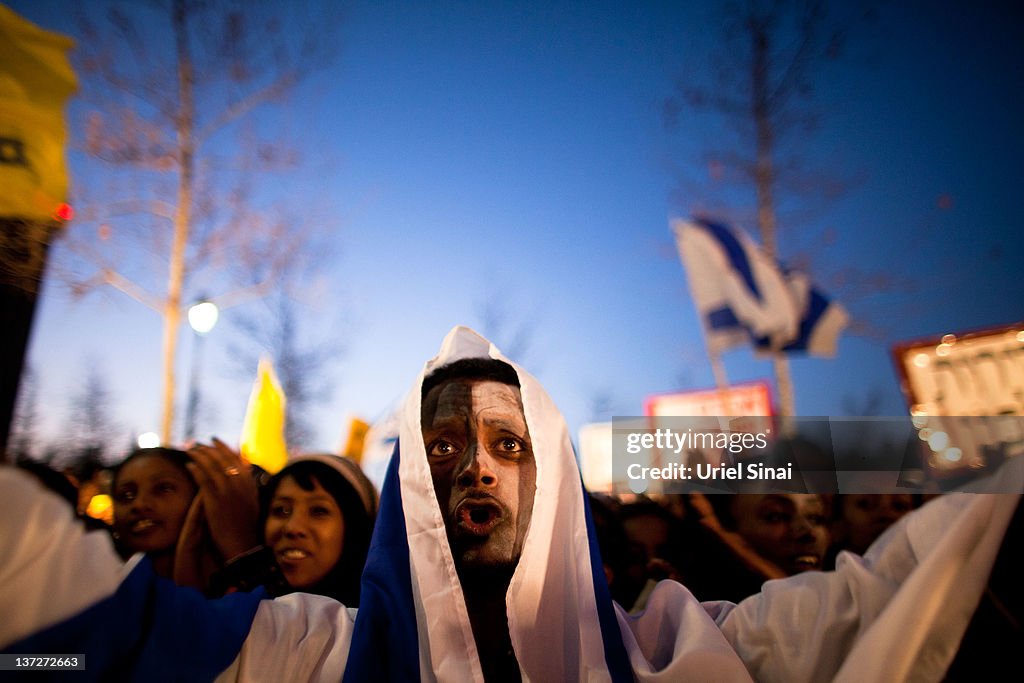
<point>206,518</point>
<point>483,558</point>
<point>308,527</point>
<point>724,547</point>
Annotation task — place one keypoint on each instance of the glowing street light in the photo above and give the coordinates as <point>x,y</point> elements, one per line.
<point>149,440</point>
<point>203,316</point>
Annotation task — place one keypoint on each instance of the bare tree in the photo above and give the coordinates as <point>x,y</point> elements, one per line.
<point>91,430</point>
<point>760,89</point>
<point>178,126</point>
<point>22,444</point>
<point>514,338</point>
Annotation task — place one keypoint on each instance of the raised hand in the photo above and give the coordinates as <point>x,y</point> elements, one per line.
<point>701,507</point>
<point>194,561</point>
<point>230,498</point>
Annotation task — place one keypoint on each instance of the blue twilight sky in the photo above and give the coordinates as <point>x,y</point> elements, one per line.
<point>515,153</point>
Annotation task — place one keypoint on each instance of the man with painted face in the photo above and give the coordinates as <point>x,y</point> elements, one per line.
<point>484,474</point>
<point>484,566</point>
<point>481,462</point>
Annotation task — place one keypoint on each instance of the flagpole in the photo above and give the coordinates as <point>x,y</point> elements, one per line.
<point>718,371</point>
<point>784,382</point>
<point>717,368</point>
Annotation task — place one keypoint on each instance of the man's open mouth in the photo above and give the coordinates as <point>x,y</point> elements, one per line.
<point>478,517</point>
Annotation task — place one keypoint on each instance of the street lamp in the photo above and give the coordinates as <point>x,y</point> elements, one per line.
<point>202,316</point>
<point>149,440</point>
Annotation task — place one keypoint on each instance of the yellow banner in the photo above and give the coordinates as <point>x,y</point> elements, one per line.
<point>263,441</point>
<point>355,440</point>
<point>36,80</point>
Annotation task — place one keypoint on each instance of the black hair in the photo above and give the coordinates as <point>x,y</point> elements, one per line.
<point>471,368</point>
<point>171,455</point>
<point>613,544</point>
<point>645,507</point>
<point>722,504</point>
<point>87,464</point>
<point>53,480</point>
<point>342,581</point>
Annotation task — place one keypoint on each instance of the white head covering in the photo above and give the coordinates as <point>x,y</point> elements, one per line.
<point>350,472</point>
<point>551,605</point>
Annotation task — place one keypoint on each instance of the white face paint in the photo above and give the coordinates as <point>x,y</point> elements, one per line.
<point>482,464</point>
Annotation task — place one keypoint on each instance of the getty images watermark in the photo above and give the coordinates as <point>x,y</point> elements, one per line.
<point>665,440</point>
<point>812,454</point>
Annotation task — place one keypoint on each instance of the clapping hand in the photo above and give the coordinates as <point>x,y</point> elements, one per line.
<point>230,499</point>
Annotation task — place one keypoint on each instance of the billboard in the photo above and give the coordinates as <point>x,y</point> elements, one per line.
<point>733,409</point>
<point>595,454</point>
<point>975,376</point>
<point>751,399</point>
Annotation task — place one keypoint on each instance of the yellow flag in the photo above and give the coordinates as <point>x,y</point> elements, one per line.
<point>263,432</point>
<point>36,80</point>
<point>355,440</point>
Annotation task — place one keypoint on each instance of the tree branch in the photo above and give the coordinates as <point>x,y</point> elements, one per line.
<point>245,294</point>
<point>155,207</point>
<point>798,63</point>
<point>119,282</point>
<point>244,106</point>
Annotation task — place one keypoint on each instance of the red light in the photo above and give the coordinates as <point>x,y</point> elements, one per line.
<point>64,212</point>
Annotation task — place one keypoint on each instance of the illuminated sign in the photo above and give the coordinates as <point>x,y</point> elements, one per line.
<point>752,399</point>
<point>976,375</point>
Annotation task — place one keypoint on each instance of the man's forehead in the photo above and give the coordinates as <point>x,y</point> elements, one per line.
<point>472,394</point>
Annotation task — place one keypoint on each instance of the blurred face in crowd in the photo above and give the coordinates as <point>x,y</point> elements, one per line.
<point>788,529</point>
<point>482,464</point>
<point>649,534</point>
<point>152,496</point>
<point>306,531</point>
<point>866,516</point>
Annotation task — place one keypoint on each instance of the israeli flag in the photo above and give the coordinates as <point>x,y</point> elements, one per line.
<point>743,296</point>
